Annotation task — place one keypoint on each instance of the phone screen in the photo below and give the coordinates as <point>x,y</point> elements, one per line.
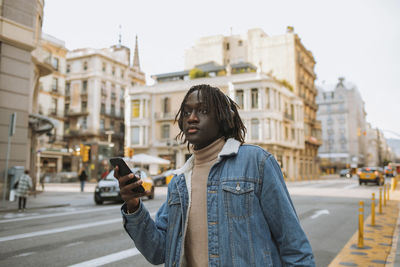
<point>123,169</point>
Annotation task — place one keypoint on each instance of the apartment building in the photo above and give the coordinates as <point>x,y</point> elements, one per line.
<point>53,151</point>
<point>96,83</point>
<point>343,117</point>
<point>272,114</point>
<point>283,57</point>
<point>20,69</point>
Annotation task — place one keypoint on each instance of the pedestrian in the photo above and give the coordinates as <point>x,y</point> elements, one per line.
<point>22,185</point>
<point>227,206</point>
<point>82,178</point>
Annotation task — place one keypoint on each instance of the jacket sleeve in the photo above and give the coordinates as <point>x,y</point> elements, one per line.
<point>293,245</point>
<point>148,235</point>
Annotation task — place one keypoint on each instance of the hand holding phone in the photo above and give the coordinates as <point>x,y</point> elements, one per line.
<point>124,170</point>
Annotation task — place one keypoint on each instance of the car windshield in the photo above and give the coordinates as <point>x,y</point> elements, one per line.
<point>110,175</point>
<point>368,170</point>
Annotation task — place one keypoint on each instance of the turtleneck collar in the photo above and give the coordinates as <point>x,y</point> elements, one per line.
<point>210,152</point>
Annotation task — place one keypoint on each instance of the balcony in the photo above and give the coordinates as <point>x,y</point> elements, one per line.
<point>164,115</point>
<point>75,113</point>
<point>288,116</point>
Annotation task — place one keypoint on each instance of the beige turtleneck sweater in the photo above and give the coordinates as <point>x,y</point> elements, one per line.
<point>196,240</point>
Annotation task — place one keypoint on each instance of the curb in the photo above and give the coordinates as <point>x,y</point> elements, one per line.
<point>380,241</point>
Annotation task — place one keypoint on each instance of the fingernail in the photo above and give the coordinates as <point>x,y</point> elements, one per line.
<point>131,175</point>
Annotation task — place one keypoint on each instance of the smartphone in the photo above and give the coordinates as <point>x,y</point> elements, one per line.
<point>123,169</point>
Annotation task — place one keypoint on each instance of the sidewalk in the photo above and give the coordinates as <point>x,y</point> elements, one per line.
<point>55,195</point>
<point>381,242</point>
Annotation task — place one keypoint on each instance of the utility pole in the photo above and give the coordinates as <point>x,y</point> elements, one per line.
<point>378,143</point>
<point>11,131</point>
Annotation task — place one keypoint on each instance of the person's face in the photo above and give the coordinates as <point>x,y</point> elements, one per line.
<point>200,125</point>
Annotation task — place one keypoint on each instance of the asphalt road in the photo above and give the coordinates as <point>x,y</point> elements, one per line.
<point>84,234</point>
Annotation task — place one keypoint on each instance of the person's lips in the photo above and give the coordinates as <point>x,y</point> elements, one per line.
<point>192,130</point>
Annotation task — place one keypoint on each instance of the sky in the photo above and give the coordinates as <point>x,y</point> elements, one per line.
<point>355,39</point>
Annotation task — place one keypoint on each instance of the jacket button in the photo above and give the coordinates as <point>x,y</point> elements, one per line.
<point>238,187</point>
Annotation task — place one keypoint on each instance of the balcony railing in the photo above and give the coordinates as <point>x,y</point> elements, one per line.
<point>164,115</point>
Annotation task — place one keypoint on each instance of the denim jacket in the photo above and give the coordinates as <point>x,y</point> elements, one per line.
<point>250,216</point>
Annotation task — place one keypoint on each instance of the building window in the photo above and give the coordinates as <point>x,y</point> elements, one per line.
<point>67,88</point>
<point>112,124</point>
<point>104,67</point>
<point>240,43</point>
<point>254,98</point>
<point>113,71</point>
<point>227,46</point>
<point>103,108</point>
<point>135,109</point>
<point>53,108</point>
<point>122,74</point>
<point>165,131</point>
<point>103,89</point>
<point>135,135</point>
<point>122,93</point>
<point>84,106</point>
<point>66,108</point>
<point>112,109</point>
<point>85,65</point>
<point>102,123</point>
<point>166,105</point>
<point>54,63</point>
<point>239,98</point>
<point>84,87</point>
<point>68,70</point>
<point>54,85</point>
<point>255,129</point>
<point>84,123</point>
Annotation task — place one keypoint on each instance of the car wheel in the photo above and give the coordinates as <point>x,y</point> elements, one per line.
<point>359,182</point>
<point>151,196</point>
<point>98,200</point>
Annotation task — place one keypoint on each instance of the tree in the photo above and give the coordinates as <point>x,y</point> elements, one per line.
<point>197,73</point>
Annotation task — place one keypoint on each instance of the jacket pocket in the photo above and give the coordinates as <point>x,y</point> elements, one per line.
<point>238,198</point>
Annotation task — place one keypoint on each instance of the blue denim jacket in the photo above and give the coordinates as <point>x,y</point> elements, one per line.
<point>251,218</point>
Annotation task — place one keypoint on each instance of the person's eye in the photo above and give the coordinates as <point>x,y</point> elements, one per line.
<point>186,113</point>
<point>203,111</point>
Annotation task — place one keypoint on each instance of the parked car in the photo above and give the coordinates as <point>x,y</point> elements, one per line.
<point>389,171</point>
<point>371,175</point>
<point>163,178</point>
<point>345,173</point>
<point>107,189</point>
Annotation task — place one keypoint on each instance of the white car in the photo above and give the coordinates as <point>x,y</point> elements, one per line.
<point>107,189</point>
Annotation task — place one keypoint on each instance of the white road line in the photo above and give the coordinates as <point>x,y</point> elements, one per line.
<point>58,214</point>
<point>25,254</point>
<point>59,230</point>
<point>74,244</point>
<point>63,229</point>
<point>109,258</point>
<point>319,213</point>
<point>350,186</point>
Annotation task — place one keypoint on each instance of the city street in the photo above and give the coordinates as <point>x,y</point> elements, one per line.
<point>83,234</point>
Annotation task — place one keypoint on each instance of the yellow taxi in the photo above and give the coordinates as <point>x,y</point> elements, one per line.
<point>389,171</point>
<point>371,175</point>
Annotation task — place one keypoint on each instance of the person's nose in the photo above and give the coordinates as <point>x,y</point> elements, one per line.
<point>193,117</point>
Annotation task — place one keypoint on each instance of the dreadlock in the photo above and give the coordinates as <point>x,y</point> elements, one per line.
<point>225,109</point>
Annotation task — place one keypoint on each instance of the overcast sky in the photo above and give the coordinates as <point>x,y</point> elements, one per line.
<point>359,40</point>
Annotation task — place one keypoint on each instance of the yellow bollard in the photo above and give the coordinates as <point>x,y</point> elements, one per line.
<point>373,210</point>
<point>380,200</point>
<point>361,224</point>
<point>388,192</point>
<point>384,195</point>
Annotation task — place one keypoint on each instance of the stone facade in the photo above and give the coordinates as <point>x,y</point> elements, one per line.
<point>343,117</point>
<point>272,114</point>
<point>20,31</point>
<point>96,83</point>
<point>282,56</point>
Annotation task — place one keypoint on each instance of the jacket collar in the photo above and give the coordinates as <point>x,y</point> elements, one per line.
<point>230,148</point>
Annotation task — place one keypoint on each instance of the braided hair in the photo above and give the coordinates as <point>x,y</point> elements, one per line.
<point>226,111</point>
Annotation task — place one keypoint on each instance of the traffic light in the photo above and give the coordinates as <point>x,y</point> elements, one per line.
<point>85,153</point>
<point>131,152</point>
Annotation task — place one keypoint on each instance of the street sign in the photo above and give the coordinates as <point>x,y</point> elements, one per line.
<point>13,119</point>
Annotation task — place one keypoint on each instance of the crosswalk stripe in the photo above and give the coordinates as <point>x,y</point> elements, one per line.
<point>109,258</point>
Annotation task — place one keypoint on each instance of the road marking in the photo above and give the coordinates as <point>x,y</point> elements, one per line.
<point>109,258</point>
<point>56,214</point>
<point>350,186</point>
<point>25,254</point>
<point>74,244</point>
<point>58,230</point>
<point>63,229</point>
<point>319,213</point>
